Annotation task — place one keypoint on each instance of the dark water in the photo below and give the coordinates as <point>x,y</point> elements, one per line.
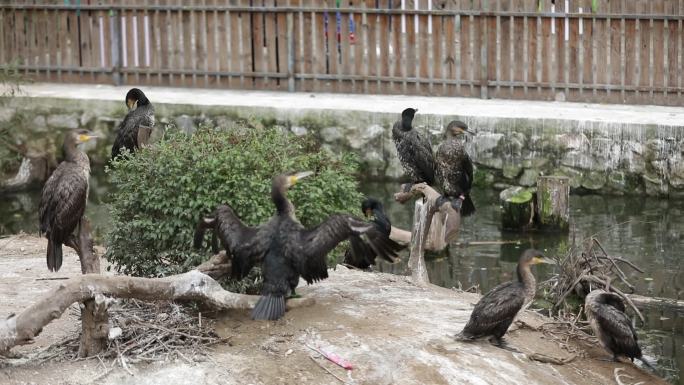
<point>648,232</point>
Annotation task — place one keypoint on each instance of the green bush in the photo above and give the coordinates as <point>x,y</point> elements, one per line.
<point>160,192</point>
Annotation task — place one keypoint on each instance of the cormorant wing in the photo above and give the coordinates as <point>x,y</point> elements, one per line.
<point>63,201</point>
<point>468,169</point>
<point>616,325</point>
<point>245,244</point>
<point>127,134</point>
<point>314,244</point>
<point>500,305</point>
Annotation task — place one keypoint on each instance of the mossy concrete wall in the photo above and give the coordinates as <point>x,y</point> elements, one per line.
<point>602,157</point>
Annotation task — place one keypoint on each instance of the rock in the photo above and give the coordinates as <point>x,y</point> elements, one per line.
<point>594,180</point>
<point>32,173</point>
<point>654,185</point>
<point>660,167</point>
<point>486,142</point>
<point>577,159</point>
<point>6,114</point>
<point>501,186</point>
<point>39,124</point>
<point>511,170</point>
<point>656,149</point>
<point>299,130</point>
<point>331,134</point>
<point>676,166</point>
<point>185,123</point>
<point>573,141</point>
<point>617,182</point>
<point>364,136</point>
<point>63,121</point>
<point>393,169</point>
<point>529,177</point>
<point>537,162</point>
<point>489,161</point>
<point>87,117</point>
<point>574,176</point>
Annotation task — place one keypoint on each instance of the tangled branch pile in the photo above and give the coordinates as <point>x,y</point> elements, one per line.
<point>589,268</point>
<point>150,331</point>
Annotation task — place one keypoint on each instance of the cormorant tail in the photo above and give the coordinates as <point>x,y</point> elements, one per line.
<point>468,207</point>
<point>54,256</point>
<point>269,307</point>
<point>202,226</point>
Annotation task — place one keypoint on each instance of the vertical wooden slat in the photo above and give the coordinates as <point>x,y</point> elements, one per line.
<point>160,51</point>
<point>285,33</point>
<point>203,48</point>
<point>271,46</point>
<point>4,50</point>
<point>404,50</point>
<point>320,61</point>
<point>372,46</point>
<point>171,44</point>
<point>458,49</point>
<point>346,53</point>
<point>384,57</point>
<point>230,37</point>
<point>519,50</point>
<point>334,46</point>
<point>394,22</point>
<point>439,62</point>
<point>147,35</point>
<point>306,48</point>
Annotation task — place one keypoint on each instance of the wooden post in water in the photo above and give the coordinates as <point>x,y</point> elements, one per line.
<point>553,203</point>
<point>517,208</point>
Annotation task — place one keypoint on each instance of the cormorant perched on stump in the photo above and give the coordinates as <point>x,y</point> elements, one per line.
<point>613,328</point>
<point>136,127</point>
<point>286,249</point>
<point>371,208</point>
<point>64,197</point>
<point>495,312</point>
<point>455,169</point>
<point>414,151</point>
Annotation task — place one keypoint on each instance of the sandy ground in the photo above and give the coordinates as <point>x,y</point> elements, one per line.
<point>392,331</point>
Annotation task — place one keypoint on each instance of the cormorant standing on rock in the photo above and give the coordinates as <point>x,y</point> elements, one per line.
<point>455,169</point>
<point>64,196</point>
<point>136,127</point>
<point>495,312</point>
<point>286,249</point>
<point>371,208</point>
<point>414,151</point>
<point>614,330</point>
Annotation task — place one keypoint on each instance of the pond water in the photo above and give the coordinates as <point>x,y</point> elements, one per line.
<point>646,231</point>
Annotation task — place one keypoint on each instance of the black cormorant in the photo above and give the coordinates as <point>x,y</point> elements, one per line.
<point>137,125</point>
<point>64,197</point>
<point>363,259</point>
<point>495,312</point>
<point>414,151</point>
<point>613,328</point>
<point>286,249</point>
<point>455,169</point>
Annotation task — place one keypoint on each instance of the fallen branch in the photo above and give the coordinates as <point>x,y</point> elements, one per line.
<point>22,328</point>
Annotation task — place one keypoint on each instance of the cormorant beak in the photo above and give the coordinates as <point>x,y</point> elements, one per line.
<point>542,259</point>
<point>132,104</point>
<point>296,177</point>
<point>82,138</point>
<point>469,132</point>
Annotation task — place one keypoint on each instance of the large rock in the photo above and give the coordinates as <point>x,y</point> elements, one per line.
<point>529,177</point>
<point>573,141</point>
<point>39,123</point>
<point>185,123</point>
<point>486,141</point>
<point>594,180</point>
<point>574,176</point>
<point>6,114</point>
<point>578,159</point>
<point>70,121</point>
<point>512,170</point>
<point>365,136</point>
<point>331,134</point>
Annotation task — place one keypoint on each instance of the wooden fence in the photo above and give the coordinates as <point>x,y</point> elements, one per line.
<point>618,51</point>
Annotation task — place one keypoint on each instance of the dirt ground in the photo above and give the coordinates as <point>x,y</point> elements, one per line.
<point>392,331</point>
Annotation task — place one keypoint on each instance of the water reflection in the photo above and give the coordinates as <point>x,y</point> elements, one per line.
<point>643,230</point>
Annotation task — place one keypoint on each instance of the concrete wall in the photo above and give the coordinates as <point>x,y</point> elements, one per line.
<point>602,157</point>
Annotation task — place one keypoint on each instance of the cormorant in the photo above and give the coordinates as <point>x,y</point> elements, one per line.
<point>286,249</point>
<point>455,169</point>
<point>136,127</point>
<point>613,328</point>
<point>414,151</point>
<point>64,197</point>
<point>371,208</point>
<point>495,312</point>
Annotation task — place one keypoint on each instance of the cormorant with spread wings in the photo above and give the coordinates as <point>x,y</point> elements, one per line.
<point>285,248</point>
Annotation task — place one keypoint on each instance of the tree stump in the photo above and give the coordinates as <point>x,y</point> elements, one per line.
<point>517,208</point>
<point>94,316</point>
<point>553,203</point>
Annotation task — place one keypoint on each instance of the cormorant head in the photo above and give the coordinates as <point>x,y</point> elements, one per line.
<point>135,98</point>
<point>369,206</point>
<point>73,138</point>
<point>407,118</point>
<point>457,127</point>
<point>534,257</point>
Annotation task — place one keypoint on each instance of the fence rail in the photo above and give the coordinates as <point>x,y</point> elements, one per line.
<point>619,51</point>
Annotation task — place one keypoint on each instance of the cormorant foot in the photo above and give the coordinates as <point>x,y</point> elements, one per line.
<point>501,343</point>
<point>294,295</point>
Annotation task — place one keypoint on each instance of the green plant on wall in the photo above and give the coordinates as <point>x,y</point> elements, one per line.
<point>161,191</point>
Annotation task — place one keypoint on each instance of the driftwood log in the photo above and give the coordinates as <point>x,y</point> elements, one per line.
<point>425,212</point>
<point>22,328</point>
